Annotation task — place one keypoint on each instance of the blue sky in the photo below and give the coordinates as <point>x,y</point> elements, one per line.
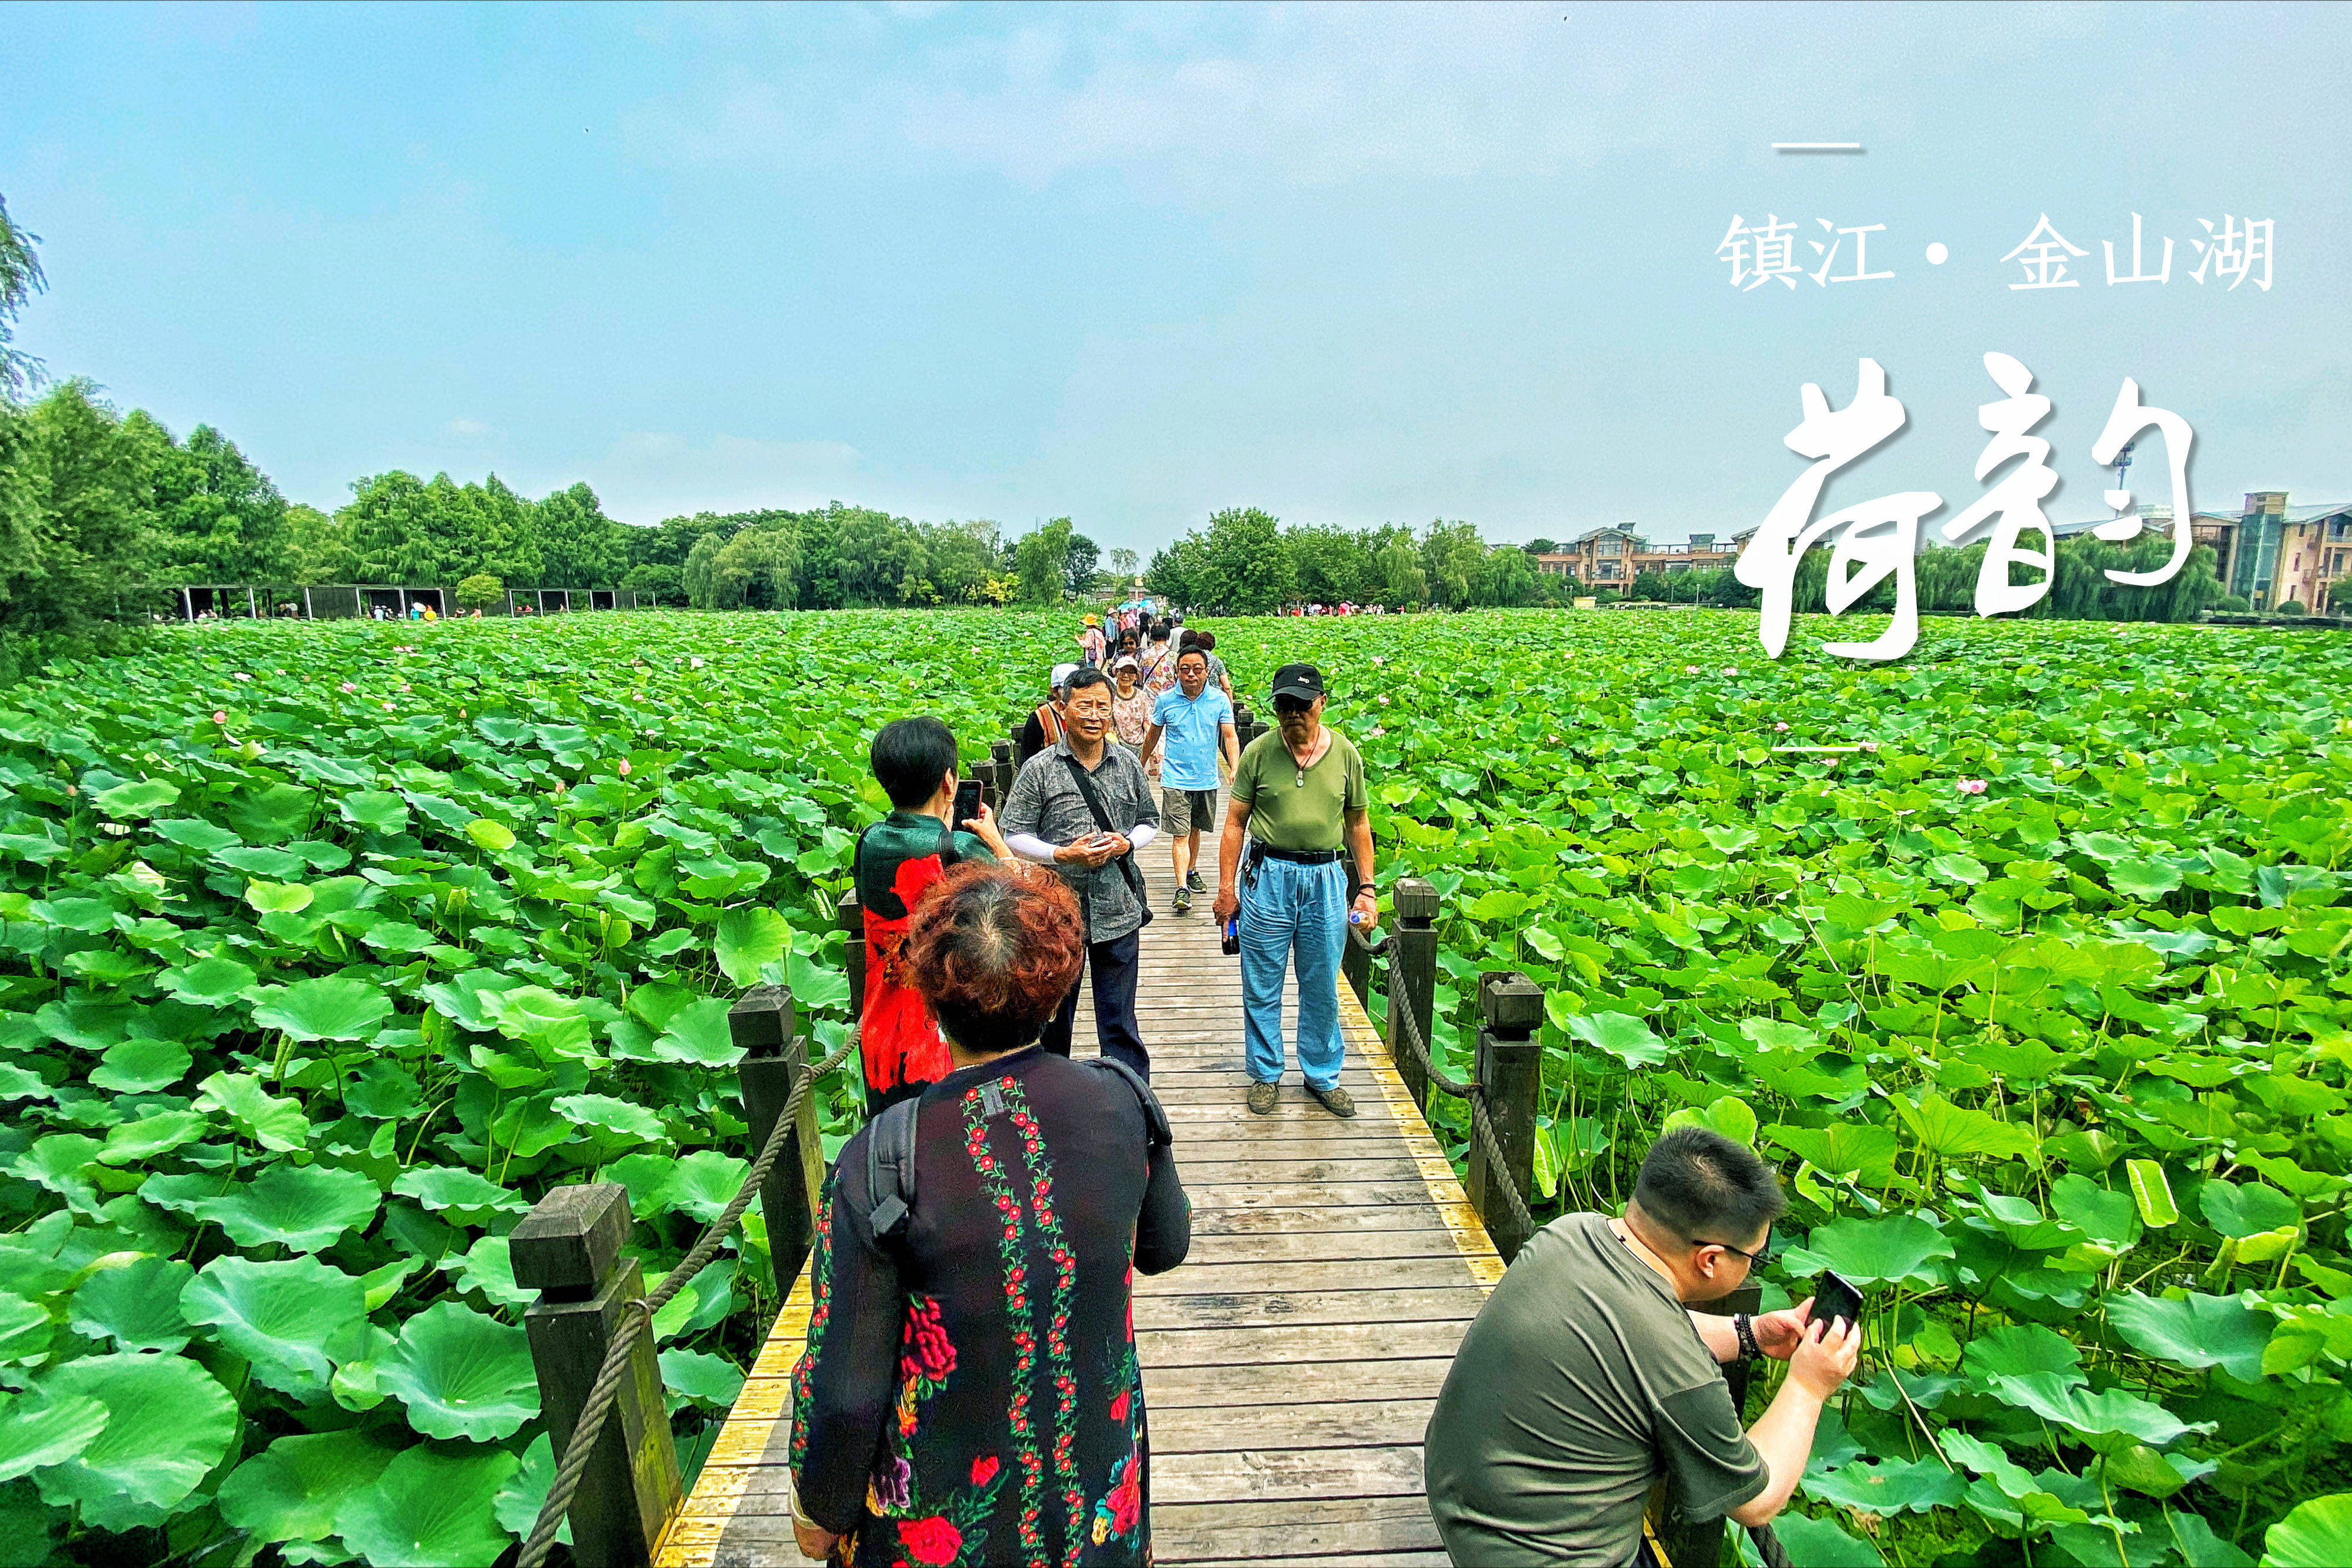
<point>1133,264</point>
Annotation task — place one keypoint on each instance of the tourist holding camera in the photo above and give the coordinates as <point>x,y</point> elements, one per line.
<point>1585,1378</point>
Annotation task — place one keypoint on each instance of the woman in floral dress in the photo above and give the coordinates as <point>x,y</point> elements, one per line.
<point>970,1394</point>
<point>1130,710</point>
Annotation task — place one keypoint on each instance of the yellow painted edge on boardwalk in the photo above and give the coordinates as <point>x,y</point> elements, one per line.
<point>1445,1193</point>
<point>692,1536</point>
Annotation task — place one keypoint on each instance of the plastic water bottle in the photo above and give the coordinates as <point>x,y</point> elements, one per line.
<point>1229,939</point>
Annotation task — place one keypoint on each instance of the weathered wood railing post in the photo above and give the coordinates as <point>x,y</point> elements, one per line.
<point>568,1249</point>
<point>1698,1544</point>
<point>850,916</point>
<point>1412,976</point>
<point>1510,1075</point>
<point>774,1061</point>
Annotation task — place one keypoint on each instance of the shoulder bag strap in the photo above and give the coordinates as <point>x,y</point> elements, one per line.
<point>1155,1117</point>
<point>890,1152</point>
<point>1102,820</point>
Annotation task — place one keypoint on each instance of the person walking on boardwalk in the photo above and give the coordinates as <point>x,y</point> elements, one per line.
<point>1084,806</point>
<point>970,1393</point>
<point>1091,646</point>
<point>1198,720</point>
<point>1299,796</point>
<point>1585,1378</point>
<point>895,860</point>
<point>1045,726</point>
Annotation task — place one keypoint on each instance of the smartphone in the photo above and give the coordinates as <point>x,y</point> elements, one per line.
<point>1834,1297</point>
<point>967,802</point>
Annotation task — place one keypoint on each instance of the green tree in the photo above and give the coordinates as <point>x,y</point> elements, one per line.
<point>480,591</point>
<point>1401,578</point>
<point>1042,558</point>
<point>320,546</point>
<point>700,573</point>
<point>1331,566</point>
<point>400,530</point>
<point>1123,563</point>
<point>665,585</point>
<point>960,559</point>
<point>20,279</point>
<point>1539,546</point>
<point>1450,555</point>
<point>82,481</point>
<point>217,519</point>
<point>1506,579</point>
<point>579,545</point>
<point>1244,567</point>
<point>1084,560</point>
<point>755,570</point>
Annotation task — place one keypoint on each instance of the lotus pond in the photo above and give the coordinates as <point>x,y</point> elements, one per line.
<point>326,950</point>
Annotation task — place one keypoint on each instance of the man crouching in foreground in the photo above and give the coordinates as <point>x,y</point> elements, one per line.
<point>1585,1377</point>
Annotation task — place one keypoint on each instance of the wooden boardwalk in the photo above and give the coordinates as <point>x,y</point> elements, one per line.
<point>1289,1365</point>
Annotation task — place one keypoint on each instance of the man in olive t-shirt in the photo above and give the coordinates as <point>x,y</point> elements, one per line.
<point>1585,1378</point>
<point>1300,795</point>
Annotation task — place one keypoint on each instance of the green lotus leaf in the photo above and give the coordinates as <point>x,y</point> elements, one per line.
<point>142,1066</point>
<point>159,1132</point>
<point>2248,1208</point>
<point>710,1381</point>
<point>1956,1132</point>
<point>619,1118</point>
<point>27,1329</point>
<point>136,1306</point>
<point>493,836</point>
<point>326,1008</point>
<point>1888,1487</point>
<point>397,937</point>
<point>1817,1544</point>
<point>1777,1035</point>
<point>374,810</point>
<point>383,1091</point>
<point>66,1164</point>
<point>270,1121</point>
<point>39,848</point>
<point>303,1209</point>
<point>1863,1150</point>
<point>461,1374</point>
<point>2194,1539</point>
<point>36,1433</point>
<point>2313,1534</point>
<point>747,940</point>
<point>814,985</point>
<point>465,998</point>
<point>699,1304</point>
<point>262,860</point>
<point>1888,1250</point>
<point>1622,1035</point>
<point>2194,1331</point>
<point>84,1025</point>
<point>106,966</point>
<point>143,799</point>
<point>488,1267</point>
<point>456,1188</point>
<point>525,1493</point>
<point>168,1424</point>
<point>209,982</point>
<point>2146,880</point>
<point>431,1508</point>
<point>554,1024</point>
<point>2017,1349</point>
<point>1728,1115</point>
<point>291,1489</point>
<point>292,1320</point>
<point>383,1284</point>
<point>2109,1412</point>
<point>703,1182</point>
<point>698,1033</point>
<point>202,836</point>
<point>2105,1216</point>
<point>278,897</point>
<point>1503,905</point>
<point>22,1083</point>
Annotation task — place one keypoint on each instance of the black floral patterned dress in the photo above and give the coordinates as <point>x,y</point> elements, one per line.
<point>973,1396</point>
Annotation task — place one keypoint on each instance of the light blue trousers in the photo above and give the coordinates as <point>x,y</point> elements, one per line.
<point>1298,914</point>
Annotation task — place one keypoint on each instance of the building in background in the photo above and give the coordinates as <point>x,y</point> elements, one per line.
<point>2289,555</point>
<point>1614,558</point>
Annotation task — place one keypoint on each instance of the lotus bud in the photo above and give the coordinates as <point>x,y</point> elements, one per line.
<point>351,686</point>
<point>220,715</point>
<point>387,707</point>
<point>1781,728</point>
<point>1690,669</point>
<point>625,768</point>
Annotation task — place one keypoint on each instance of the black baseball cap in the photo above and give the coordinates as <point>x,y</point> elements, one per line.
<point>1304,682</point>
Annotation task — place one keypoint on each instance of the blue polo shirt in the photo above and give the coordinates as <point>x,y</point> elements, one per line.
<point>1189,743</point>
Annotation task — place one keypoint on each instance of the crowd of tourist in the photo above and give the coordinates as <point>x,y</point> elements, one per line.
<point>972,1391</point>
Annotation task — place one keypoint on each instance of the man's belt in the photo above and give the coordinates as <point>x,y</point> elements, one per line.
<point>1301,857</point>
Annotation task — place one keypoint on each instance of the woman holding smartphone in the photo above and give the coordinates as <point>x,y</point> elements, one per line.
<point>895,862</point>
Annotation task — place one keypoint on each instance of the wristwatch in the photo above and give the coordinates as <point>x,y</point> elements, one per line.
<point>1749,1349</point>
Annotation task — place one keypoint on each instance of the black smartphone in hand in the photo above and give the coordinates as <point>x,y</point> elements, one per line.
<point>1834,1297</point>
<point>967,802</point>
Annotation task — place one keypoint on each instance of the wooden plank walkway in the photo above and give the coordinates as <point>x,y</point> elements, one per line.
<point>1289,1365</point>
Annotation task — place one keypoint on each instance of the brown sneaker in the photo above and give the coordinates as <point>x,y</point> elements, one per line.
<point>1336,1100</point>
<point>1259,1098</point>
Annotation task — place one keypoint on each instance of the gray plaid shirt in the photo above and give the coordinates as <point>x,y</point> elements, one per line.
<point>1045,801</point>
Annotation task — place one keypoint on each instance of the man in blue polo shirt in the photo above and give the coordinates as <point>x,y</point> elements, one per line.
<point>1198,721</point>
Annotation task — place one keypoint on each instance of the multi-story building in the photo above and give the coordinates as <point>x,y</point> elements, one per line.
<point>1614,558</point>
<point>2281,554</point>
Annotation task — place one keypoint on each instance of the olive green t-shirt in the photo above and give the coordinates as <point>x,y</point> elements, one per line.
<point>1286,814</point>
<point>1580,1382</point>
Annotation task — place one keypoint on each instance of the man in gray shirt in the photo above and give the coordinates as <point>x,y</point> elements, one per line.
<point>1048,819</point>
<point>1585,1377</point>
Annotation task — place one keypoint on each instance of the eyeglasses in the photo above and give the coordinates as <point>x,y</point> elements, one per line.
<point>1755,1259</point>
<point>1291,706</point>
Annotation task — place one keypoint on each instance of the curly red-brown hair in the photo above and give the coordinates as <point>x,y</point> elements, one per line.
<point>993,952</point>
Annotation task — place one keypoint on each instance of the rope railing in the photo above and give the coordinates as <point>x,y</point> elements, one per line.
<point>635,1316</point>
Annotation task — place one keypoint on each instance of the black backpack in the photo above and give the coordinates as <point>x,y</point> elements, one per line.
<point>890,1147</point>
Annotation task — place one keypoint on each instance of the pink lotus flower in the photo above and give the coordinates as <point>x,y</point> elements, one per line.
<point>1730,669</point>
<point>387,707</point>
<point>1870,746</point>
<point>1972,785</point>
<point>243,677</point>
<point>351,686</point>
<point>220,715</point>
<point>625,768</point>
<point>1690,669</point>
<point>1384,702</point>
<point>1781,729</point>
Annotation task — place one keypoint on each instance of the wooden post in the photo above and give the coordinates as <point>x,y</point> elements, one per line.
<point>1698,1544</point>
<point>1412,976</point>
<point>568,1249</point>
<point>851,915</point>
<point>1510,1074</point>
<point>774,1061</point>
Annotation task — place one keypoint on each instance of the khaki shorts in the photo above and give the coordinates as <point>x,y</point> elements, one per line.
<point>1182,812</point>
